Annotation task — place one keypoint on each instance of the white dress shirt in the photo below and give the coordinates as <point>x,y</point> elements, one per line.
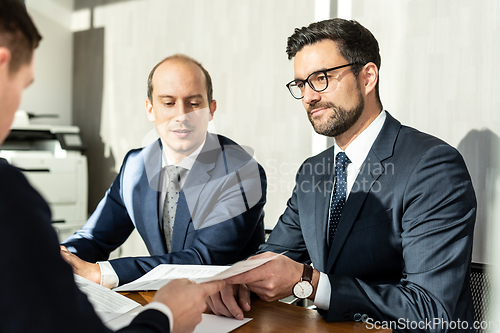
<point>186,163</point>
<point>356,151</point>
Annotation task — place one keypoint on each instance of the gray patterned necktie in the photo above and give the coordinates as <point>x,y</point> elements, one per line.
<point>171,198</point>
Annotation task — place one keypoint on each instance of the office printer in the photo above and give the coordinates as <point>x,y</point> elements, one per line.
<point>51,159</point>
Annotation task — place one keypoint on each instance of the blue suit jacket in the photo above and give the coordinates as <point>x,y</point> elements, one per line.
<point>403,244</point>
<point>38,292</point>
<point>219,218</point>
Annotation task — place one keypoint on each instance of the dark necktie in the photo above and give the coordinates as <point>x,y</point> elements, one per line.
<point>170,204</point>
<point>339,193</point>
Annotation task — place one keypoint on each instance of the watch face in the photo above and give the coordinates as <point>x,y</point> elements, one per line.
<point>302,289</point>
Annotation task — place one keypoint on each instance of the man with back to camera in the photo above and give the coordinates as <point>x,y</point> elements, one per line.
<point>42,296</point>
<point>215,214</point>
<point>385,216</point>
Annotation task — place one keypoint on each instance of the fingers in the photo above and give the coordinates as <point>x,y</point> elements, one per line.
<point>267,294</point>
<point>268,280</point>
<point>181,282</point>
<point>80,267</point>
<point>229,300</point>
<point>210,304</point>
<point>217,305</point>
<point>244,297</point>
<point>186,300</point>
<point>225,304</point>
<point>254,275</point>
<point>67,256</point>
<point>213,287</point>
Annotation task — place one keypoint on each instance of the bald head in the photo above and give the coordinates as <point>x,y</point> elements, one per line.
<point>181,59</point>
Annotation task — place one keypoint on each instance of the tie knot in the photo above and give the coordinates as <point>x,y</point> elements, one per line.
<point>174,172</point>
<point>342,160</point>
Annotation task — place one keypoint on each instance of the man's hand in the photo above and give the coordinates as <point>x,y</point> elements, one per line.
<point>272,281</point>
<point>81,267</point>
<point>225,304</point>
<point>186,300</point>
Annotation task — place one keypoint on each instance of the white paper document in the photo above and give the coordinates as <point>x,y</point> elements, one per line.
<point>209,323</point>
<point>108,304</point>
<point>123,320</point>
<point>117,311</point>
<point>162,274</point>
<point>217,324</point>
<point>238,268</point>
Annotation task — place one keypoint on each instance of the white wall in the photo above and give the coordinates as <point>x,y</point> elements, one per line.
<point>242,44</point>
<point>439,74</point>
<point>51,91</point>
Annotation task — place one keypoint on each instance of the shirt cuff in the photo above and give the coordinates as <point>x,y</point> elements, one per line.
<point>109,278</point>
<point>323,292</point>
<point>163,309</point>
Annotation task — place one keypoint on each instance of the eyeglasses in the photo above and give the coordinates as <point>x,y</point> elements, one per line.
<point>318,81</point>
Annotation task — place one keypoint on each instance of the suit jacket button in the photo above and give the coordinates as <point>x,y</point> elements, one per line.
<point>357,317</point>
<point>346,316</point>
<point>364,318</point>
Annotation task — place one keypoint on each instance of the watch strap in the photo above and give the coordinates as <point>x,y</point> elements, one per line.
<point>307,273</point>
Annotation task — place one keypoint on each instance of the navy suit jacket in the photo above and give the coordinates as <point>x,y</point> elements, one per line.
<point>219,218</point>
<point>38,292</point>
<point>404,241</point>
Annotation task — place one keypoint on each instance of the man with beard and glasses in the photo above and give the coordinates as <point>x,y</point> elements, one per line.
<point>385,216</point>
<point>194,197</point>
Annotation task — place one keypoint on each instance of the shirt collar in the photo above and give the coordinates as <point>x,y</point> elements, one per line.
<point>186,163</point>
<point>358,149</point>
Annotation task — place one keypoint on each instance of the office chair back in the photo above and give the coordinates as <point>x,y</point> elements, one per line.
<point>480,285</point>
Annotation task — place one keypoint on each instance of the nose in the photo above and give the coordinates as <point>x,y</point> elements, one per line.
<point>310,96</point>
<point>181,112</point>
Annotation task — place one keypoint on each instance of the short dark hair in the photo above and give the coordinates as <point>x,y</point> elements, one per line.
<point>186,58</point>
<point>17,33</point>
<point>355,43</point>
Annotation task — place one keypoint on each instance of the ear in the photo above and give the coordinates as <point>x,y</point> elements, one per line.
<point>369,77</point>
<point>5,57</point>
<point>149,111</point>
<point>212,107</point>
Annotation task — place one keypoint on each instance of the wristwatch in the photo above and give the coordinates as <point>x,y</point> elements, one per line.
<point>304,288</point>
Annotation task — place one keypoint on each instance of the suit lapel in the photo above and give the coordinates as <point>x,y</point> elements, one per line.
<point>198,177</point>
<point>148,198</point>
<point>322,203</point>
<point>363,184</point>
<point>370,171</point>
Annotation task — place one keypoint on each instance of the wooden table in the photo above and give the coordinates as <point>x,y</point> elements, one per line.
<point>279,317</point>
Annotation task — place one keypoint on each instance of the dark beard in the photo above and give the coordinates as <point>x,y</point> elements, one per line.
<point>339,120</point>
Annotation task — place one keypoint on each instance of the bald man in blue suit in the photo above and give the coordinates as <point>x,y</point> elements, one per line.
<point>219,212</point>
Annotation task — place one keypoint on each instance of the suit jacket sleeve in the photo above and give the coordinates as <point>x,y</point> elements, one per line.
<point>37,286</point>
<point>107,228</point>
<point>149,321</point>
<point>287,234</point>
